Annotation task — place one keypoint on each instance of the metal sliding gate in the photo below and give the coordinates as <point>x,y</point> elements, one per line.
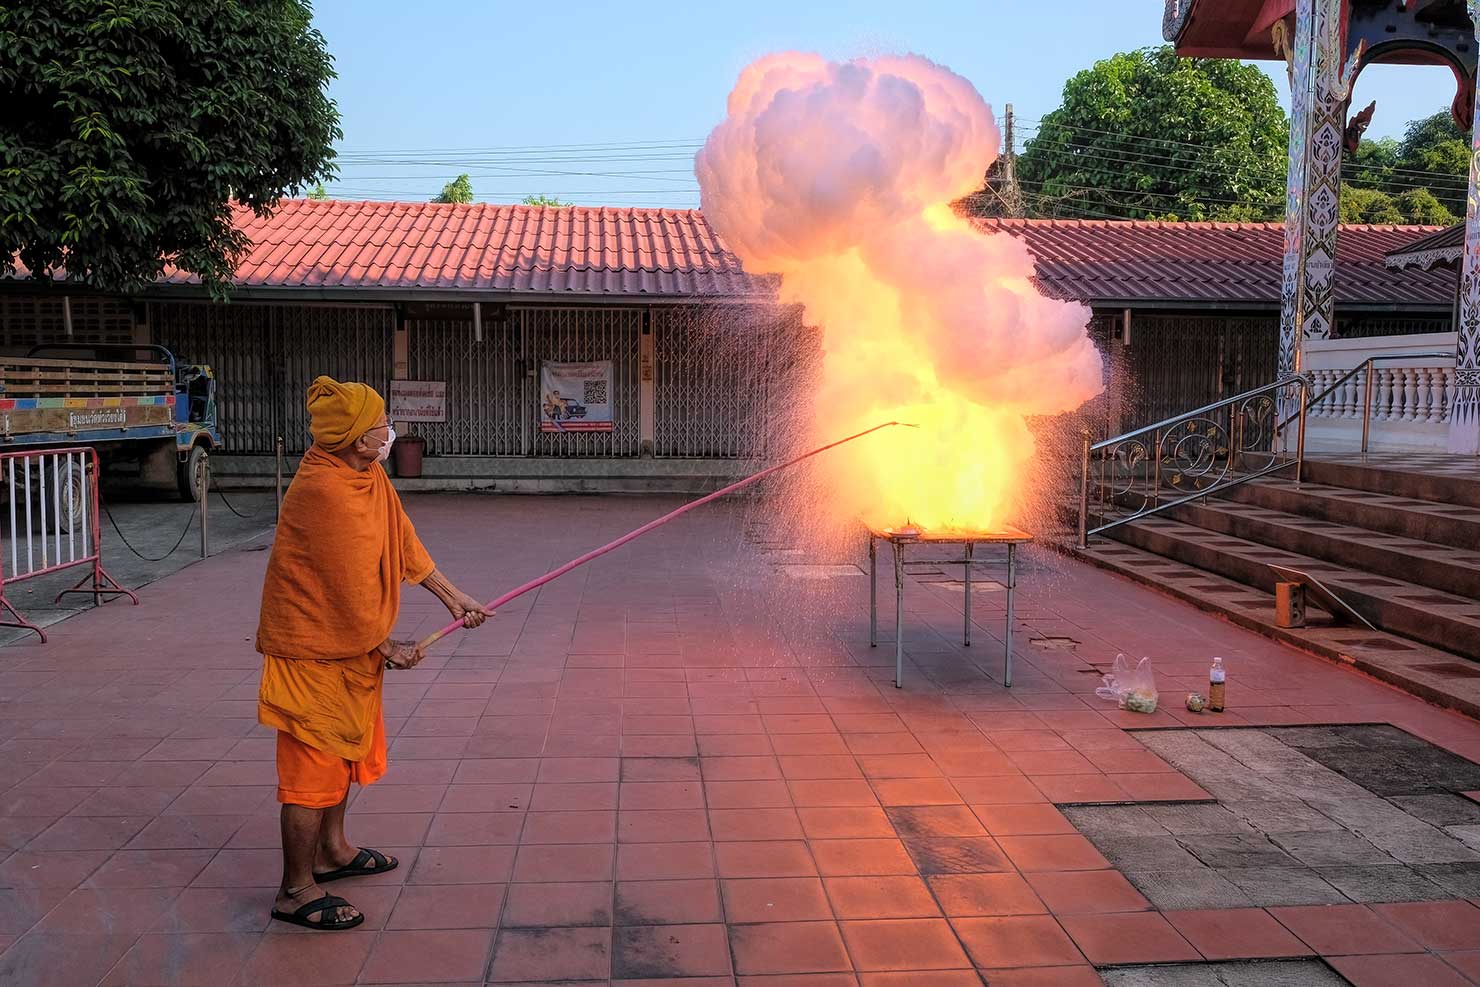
<point>724,382</point>
<point>266,356</point>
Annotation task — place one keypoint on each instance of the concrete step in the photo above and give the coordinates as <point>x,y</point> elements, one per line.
<point>1429,673</point>
<point>1435,566</point>
<point>1442,620</point>
<point>1436,479</point>
<point>1421,520</point>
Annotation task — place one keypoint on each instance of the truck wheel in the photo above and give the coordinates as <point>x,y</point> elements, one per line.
<point>73,483</point>
<point>190,473</point>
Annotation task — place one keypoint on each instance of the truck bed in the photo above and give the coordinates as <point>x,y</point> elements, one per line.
<point>48,401</point>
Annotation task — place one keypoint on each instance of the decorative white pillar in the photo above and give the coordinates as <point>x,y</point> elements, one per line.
<point>1464,408</point>
<point>1313,192</point>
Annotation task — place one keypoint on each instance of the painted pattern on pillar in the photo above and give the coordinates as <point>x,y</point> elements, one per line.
<point>1313,192</point>
<point>1464,426</point>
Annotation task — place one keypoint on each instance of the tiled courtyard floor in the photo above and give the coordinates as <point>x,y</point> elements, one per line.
<point>684,765</point>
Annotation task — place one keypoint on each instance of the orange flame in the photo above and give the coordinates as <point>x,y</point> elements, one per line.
<point>839,177</point>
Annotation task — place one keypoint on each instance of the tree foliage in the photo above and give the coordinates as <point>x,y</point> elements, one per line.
<point>128,128</point>
<point>1146,134</point>
<point>1424,175</point>
<point>460,189</point>
<point>318,193</point>
<point>543,200</point>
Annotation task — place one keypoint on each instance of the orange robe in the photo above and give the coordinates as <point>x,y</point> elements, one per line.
<point>343,548</point>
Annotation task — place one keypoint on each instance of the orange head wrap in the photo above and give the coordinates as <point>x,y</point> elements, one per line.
<point>338,414</point>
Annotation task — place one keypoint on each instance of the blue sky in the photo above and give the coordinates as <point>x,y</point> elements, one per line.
<point>605,103</point>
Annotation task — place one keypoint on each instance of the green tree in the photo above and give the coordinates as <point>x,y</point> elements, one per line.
<point>1436,146</point>
<point>457,190</point>
<point>129,128</point>
<point>543,200</point>
<point>318,192</point>
<point>1147,134</point>
<point>1368,205</point>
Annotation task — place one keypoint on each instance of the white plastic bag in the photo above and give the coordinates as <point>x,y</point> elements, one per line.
<point>1132,687</point>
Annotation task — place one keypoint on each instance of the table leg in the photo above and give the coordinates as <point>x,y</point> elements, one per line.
<point>966,632</point>
<point>873,591</point>
<point>1007,634</point>
<point>898,615</point>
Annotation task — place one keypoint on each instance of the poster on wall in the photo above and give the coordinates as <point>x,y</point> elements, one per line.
<point>576,397</point>
<point>417,401</point>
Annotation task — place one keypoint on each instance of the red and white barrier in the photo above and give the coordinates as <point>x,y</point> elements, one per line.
<point>51,522</point>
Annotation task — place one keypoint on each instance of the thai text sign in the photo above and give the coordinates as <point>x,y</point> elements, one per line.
<point>418,401</point>
<point>576,397</point>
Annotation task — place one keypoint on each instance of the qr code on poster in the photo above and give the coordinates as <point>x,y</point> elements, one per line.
<point>595,392</point>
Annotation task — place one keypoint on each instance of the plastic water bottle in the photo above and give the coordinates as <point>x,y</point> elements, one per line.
<point>1217,677</point>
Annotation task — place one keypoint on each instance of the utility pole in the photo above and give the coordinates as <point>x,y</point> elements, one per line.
<point>1009,190</point>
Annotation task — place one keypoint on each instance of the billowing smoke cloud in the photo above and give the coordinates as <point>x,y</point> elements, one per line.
<point>839,176</point>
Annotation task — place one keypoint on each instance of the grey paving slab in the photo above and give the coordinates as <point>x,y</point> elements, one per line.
<point>1462,880</point>
<point>1185,819</point>
<point>1236,850</point>
<point>1392,882</point>
<point>1440,810</point>
<point>1182,889</point>
<point>1332,849</point>
<point>1148,853</point>
<point>1288,816</point>
<point>1096,821</point>
<point>1270,886</point>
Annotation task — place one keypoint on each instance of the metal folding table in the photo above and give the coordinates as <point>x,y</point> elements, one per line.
<point>899,541</point>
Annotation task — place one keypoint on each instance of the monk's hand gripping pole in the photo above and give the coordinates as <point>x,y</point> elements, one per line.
<point>534,584</point>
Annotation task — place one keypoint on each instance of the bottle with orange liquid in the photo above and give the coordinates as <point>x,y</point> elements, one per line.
<point>1217,678</point>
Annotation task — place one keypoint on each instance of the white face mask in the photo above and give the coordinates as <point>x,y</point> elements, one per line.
<point>384,451</point>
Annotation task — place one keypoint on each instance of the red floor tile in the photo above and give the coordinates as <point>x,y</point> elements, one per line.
<point>474,828</point>
<point>1044,853</point>
<point>1336,930</point>
<point>426,907</point>
<point>765,794</point>
<point>1016,941</point>
<point>935,820</point>
<point>569,827</point>
<point>779,858</point>
<point>541,906</point>
<point>788,948</point>
<point>564,863</point>
<point>667,903</point>
<point>1397,970</point>
<point>63,959</point>
<point>1029,819</point>
<point>903,944</point>
<point>1236,933</point>
<point>916,791</point>
<point>315,959</point>
<point>1082,788</point>
<point>664,861</point>
<point>845,822</point>
<point>215,910</point>
<point>775,900</point>
<point>839,792</point>
<point>880,897</point>
<point>1466,962</point>
<point>670,951</point>
<point>546,954</point>
<point>119,910</point>
<point>653,825</point>
<point>922,978</point>
<point>462,865</point>
<point>735,825</point>
<point>1128,937</point>
<point>1046,976</point>
<point>189,958</point>
<point>1086,892</point>
<point>1161,786</point>
<point>1436,924</point>
<point>845,858</point>
<point>1001,790</point>
<point>971,895</point>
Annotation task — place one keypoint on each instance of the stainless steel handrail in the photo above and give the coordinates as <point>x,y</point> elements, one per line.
<point>1158,431</point>
<point>1367,365</point>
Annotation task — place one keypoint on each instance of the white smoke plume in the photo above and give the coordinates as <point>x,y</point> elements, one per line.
<point>839,177</point>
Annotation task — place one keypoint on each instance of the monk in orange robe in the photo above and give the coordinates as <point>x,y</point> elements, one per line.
<point>343,548</point>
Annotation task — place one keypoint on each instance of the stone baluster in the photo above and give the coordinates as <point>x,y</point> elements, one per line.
<point>1354,387</point>
<point>1447,389</point>
<point>1382,384</point>
<point>1414,393</point>
<point>1436,396</point>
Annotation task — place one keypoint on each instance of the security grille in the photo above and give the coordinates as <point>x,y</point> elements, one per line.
<point>579,335</point>
<point>486,402</point>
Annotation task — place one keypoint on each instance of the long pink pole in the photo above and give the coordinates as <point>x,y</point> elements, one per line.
<point>598,552</point>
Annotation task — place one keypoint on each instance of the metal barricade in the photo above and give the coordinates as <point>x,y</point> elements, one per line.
<point>51,522</point>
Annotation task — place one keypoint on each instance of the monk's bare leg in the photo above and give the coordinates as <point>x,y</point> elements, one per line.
<point>301,827</point>
<point>334,849</point>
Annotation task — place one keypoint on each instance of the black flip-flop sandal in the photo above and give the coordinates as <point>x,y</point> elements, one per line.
<point>324,904</point>
<point>357,868</point>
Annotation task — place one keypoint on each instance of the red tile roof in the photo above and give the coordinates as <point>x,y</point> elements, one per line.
<point>571,251</point>
<point>578,253</point>
<point>1115,261</point>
